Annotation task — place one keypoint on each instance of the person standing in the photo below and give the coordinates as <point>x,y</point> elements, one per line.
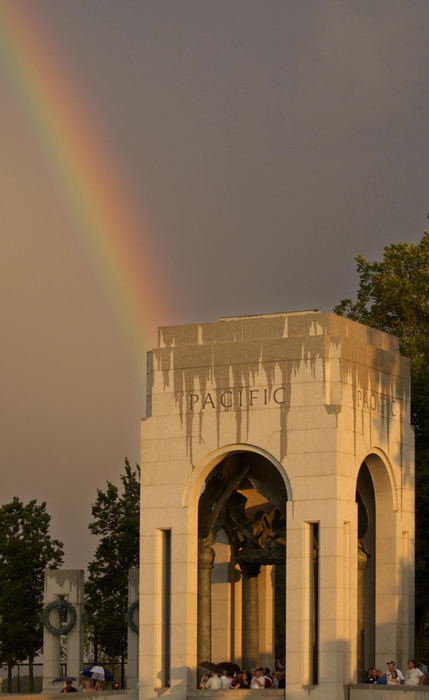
<point>413,675</point>
<point>68,688</point>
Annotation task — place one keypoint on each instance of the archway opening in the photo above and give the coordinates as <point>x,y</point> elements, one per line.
<point>377,551</point>
<point>241,563</point>
<point>365,499</point>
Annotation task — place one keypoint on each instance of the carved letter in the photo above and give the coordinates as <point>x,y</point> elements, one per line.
<point>391,406</point>
<point>359,397</point>
<point>193,399</point>
<point>222,397</point>
<point>253,391</point>
<point>265,397</point>
<point>283,389</point>
<point>208,399</point>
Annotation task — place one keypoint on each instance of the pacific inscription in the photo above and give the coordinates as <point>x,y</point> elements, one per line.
<point>237,398</point>
<point>380,404</point>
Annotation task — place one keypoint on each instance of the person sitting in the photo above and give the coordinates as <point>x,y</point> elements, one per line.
<point>371,677</point>
<point>381,677</point>
<point>413,675</point>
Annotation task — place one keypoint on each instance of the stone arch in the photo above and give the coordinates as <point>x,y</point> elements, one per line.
<point>384,573</point>
<point>190,501</point>
<point>382,474</point>
<point>200,472</point>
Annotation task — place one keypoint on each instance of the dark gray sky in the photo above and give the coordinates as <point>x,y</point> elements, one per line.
<point>262,144</point>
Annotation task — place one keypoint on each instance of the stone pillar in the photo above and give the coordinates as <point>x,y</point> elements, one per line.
<point>362,562</point>
<point>314,593</point>
<point>51,649</point>
<point>62,584</point>
<point>250,616</point>
<point>205,564</point>
<point>132,634</point>
<point>266,616</point>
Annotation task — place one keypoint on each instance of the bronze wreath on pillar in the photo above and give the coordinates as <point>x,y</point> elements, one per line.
<point>61,605</point>
<point>129,616</point>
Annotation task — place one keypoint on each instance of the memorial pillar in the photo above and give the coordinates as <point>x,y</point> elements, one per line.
<point>62,588</point>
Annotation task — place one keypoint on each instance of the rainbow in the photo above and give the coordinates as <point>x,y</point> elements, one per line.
<point>121,251</point>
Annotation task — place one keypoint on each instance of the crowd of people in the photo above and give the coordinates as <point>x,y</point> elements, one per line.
<point>85,686</point>
<point>414,675</point>
<point>256,679</point>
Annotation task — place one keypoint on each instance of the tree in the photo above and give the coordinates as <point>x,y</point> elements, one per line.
<point>116,521</point>
<point>26,550</point>
<point>393,296</point>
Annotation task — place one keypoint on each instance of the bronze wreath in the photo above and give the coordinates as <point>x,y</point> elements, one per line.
<point>59,605</point>
<point>129,616</point>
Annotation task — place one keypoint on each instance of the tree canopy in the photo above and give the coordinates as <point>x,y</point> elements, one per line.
<point>26,550</point>
<point>393,296</point>
<point>116,518</point>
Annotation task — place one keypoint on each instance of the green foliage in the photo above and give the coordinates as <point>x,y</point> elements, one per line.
<point>393,296</point>
<point>116,523</point>
<point>26,550</point>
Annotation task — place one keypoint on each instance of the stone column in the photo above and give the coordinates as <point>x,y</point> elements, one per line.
<point>132,634</point>
<point>51,651</point>
<point>315,612</point>
<point>205,564</point>
<point>362,562</point>
<point>250,616</point>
